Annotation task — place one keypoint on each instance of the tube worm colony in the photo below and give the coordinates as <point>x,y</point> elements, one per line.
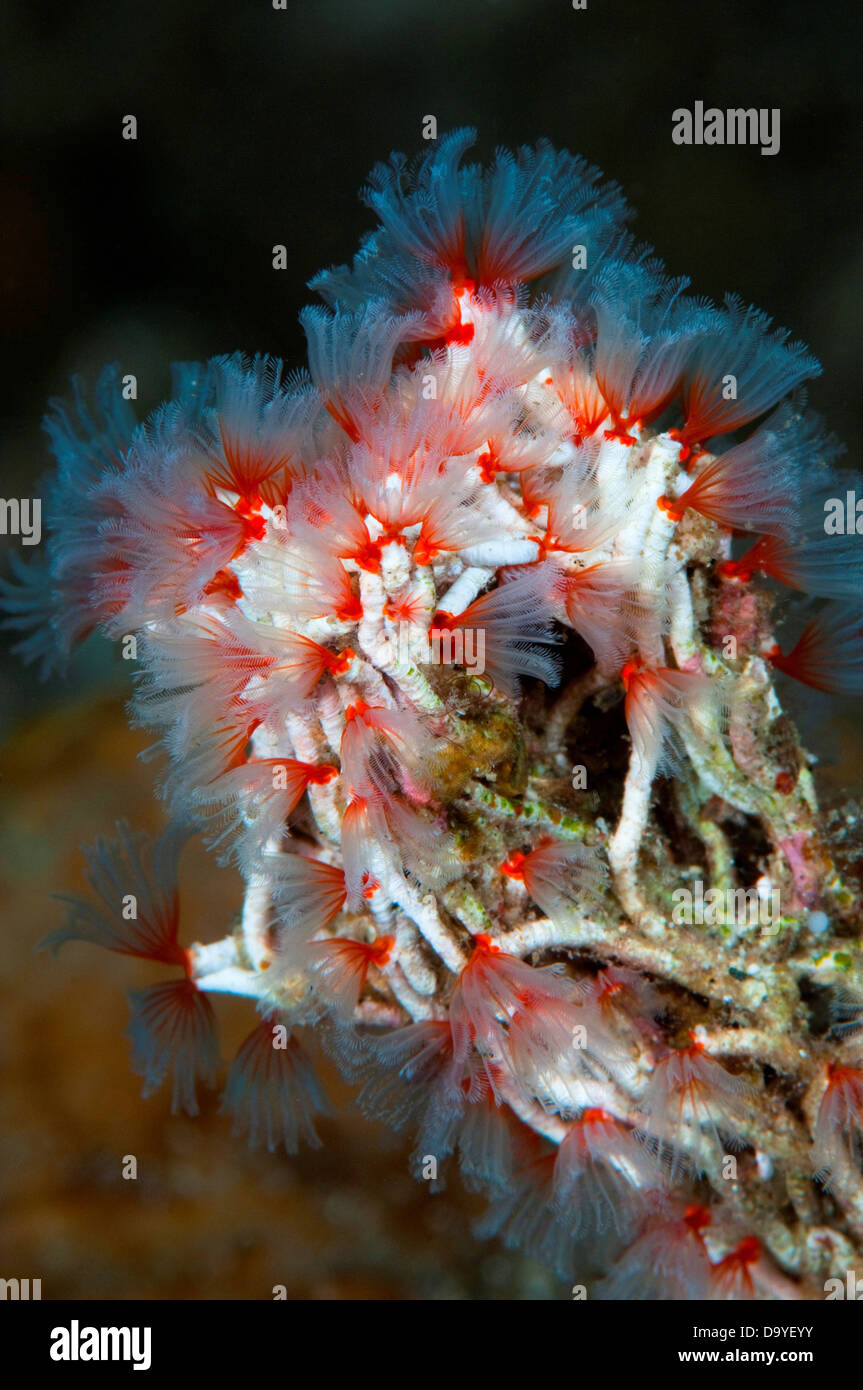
<point>520,437</point>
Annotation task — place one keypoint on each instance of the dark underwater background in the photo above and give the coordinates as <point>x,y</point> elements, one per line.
<point>256,126</point>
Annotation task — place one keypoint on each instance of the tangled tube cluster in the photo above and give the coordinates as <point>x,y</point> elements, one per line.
<point>520,458</point>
